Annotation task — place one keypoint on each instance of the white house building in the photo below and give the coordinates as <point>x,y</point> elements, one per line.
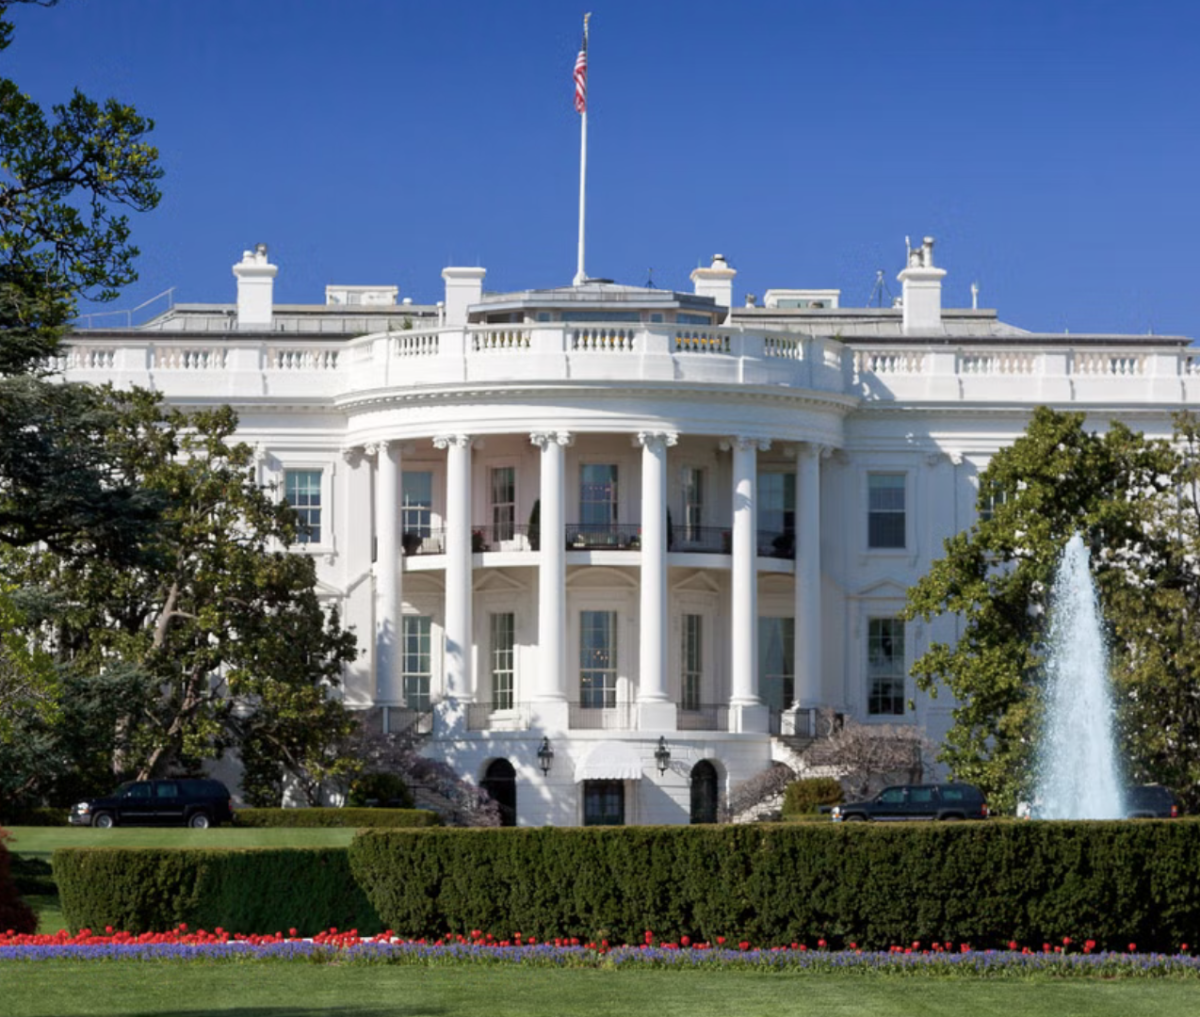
<point>609,547</point>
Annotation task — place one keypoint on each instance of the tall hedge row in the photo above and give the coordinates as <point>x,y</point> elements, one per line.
<point>875,885</point>
<point>255,890</point>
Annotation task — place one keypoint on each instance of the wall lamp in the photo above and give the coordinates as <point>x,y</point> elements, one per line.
<point>662,755</point>
<point>545,755</point>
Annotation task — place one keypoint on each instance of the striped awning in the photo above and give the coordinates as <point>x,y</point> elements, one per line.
<point>609,761</point>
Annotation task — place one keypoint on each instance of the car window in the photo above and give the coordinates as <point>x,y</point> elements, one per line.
<point>167,789</point>
<point>892,796</point>
<point>953,794</point>
<point>139,791</point>
<point>921,795</point>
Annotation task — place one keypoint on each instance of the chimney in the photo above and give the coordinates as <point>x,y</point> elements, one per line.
<point>716,281</point>
<point>464,286</point>
<point>255,289</point>
<point>922,294</point>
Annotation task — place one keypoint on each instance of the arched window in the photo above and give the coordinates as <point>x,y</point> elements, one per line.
<point>704,792</point>
<point>500,781</point>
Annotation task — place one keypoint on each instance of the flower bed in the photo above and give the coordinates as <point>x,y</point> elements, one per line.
<point>1064,960</point>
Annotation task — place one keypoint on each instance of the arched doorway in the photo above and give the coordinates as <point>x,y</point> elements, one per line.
<point>704,792</point>
<point>500,781</point>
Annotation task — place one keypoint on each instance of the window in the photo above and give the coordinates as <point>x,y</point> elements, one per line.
<point>416,664</point>
<point>598,497</point>
<point>989,503</point>
<point>693,670</point>
<point>885,666</point>
<point>416,511</point>
<point>777,503</point>
<point>776,661</point>
<point>885,511</point>
<point>603,803</point>
<point>504,502</point>
<point>502,644</point>
<point>302,489</point>
<point>693,502</point>
<point>598,659</point>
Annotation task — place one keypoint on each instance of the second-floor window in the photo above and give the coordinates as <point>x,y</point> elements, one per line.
<point>693,502</point>
<point>302,489</point>
<point>777,661</point>
<point>598,496</point>
<point>693,662</point>
<point>886,519</point>
<point>885,666</point>
<point>416,662</point>
<point>598,659</point>
<point>416,510</point>
<point>504,502</point>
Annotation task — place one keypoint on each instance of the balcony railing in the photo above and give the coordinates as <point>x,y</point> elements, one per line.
<point>429,541</point>
<point>705,717</point>
<point>404,720</point>
<point>505,715</point>
<point>603,537</point>
<point>618,717</point>
<point>503,537</point>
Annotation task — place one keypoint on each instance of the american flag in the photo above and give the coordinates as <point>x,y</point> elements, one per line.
<point>581,77</point>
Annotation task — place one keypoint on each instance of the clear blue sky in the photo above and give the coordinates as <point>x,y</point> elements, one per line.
<point>1052,148</point>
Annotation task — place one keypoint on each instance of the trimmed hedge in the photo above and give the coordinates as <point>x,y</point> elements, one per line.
<point>875,885</point>
<point>805,797</point>
<point>384,818</point>
<point>256,890</point>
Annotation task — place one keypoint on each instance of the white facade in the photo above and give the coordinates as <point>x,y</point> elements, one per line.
<point>730,502</point>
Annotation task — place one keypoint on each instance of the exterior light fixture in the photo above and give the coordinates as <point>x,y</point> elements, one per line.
<point>545,755</point>
<point>662,755</point>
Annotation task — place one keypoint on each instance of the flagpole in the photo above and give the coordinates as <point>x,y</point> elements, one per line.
<point>581,105</point>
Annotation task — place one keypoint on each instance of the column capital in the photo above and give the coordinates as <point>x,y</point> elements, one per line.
<point>544,438</point>
<point>444,441</point>
<point>656,441</point>
<point>353,454</point>
<point>745,444</point>
<point>813,450</point>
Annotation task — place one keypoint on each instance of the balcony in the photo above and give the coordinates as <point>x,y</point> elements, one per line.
<point>603,537</point>
<point>505,715</point>
<point>704,717</point>
<point>618,717</point>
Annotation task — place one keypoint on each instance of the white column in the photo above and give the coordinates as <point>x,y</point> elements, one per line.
<point>808,578</point>
<point>387,570</point>
<point>552,579</point>
<point>747,712</point>
<point>459,687</point>
<point>655,709</point>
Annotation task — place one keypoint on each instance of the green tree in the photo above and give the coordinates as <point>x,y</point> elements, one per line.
<point>1055,480</point>
<point>221,622</point>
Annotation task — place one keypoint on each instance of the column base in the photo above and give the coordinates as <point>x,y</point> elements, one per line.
<point>551,716</point>
<point>657,716</point>
<point>749,718</point>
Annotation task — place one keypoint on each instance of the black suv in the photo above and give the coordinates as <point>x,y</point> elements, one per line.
<point>1150,801</point>
<point>183,801</point>
<point>917,801</point>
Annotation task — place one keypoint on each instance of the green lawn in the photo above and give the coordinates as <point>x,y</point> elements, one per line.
<point>65,989</point>
<point>33,846</point>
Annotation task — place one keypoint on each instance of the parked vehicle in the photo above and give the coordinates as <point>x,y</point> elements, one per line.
<point>917,801</point>
<point>177,802</point>
<point>1150,801</point>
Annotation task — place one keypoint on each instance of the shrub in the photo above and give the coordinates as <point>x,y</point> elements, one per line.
<point>804,797</point>
<point>388,818</point>
<point>261,890</point>
<point>15,914</point>
<point>373,790</point>
<point>38,815</point>
<point>873,884</point>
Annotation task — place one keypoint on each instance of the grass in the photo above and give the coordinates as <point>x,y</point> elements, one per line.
<point>32,846</point>
<point>145,989</point>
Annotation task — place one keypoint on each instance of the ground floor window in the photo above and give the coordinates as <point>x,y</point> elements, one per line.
<point>603,803</point>
<point>417,669</point>
<point>885,666</point>
<point>502,653</point>
<point>693,662</point>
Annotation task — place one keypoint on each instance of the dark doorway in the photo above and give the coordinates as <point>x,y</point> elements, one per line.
<point>500,781</point>
<point>704,792</point>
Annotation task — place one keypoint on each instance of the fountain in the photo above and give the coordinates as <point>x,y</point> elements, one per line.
<point>1078,773</point>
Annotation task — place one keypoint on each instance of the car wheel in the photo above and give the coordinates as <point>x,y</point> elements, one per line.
<point>854,818</point>
<point>103,821</point>
<point>199,821</point>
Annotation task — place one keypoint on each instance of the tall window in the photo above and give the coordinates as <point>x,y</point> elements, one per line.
<point>603,803</point>
<point>776,661</point>
<point>502,644</point>
<point>693,502</point>
<point>777,502</point>
<point>989,503</point>
<point>302,489</point>
<point>598,497</point>
<point>416,510</point>
<point>885,510</point>
<point>417,662</point>
<point>885,666</point>
<point>504,502</point>
<point>693,670</point>
<point>598,659</point>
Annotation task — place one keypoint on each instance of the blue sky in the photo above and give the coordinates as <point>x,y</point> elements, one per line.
<point>1050,147</point>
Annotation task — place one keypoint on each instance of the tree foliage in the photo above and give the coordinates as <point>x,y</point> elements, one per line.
<point>219,622</point>
<point>1120,491</point>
